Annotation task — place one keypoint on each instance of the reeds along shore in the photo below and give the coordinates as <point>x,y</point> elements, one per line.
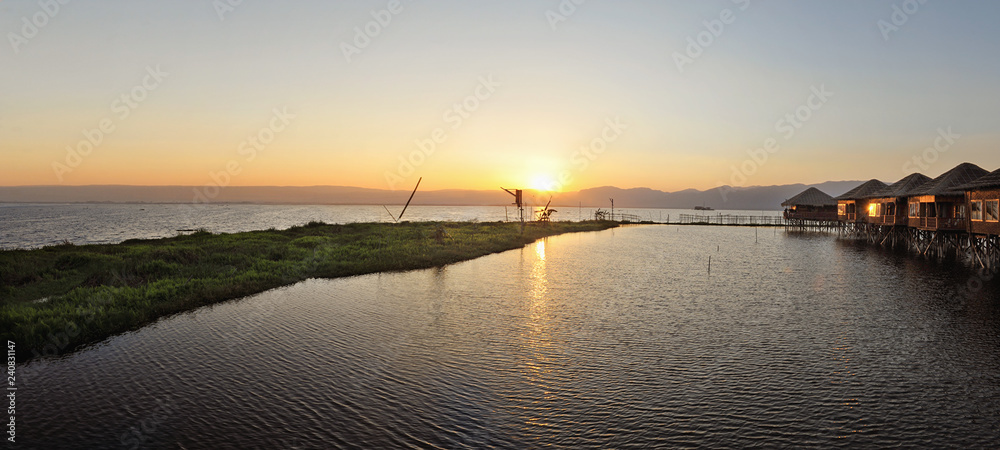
<point>55,299</point>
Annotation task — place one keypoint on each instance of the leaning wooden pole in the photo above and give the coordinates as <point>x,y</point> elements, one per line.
<point>411,198</point>
<point>394,219</point>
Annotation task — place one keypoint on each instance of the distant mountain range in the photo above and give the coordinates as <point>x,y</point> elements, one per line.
<point>747,198</point>
<point>744,198</point>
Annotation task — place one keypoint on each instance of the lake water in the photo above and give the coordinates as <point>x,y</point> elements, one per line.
<point>37,225</point>
<point>612,339</point>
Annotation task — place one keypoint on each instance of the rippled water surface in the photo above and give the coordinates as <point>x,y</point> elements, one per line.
<point>619,338</point>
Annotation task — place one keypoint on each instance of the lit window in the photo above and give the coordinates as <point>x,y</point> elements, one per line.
<point>872,209</point>
<point>976,210</point>
<point>992,210</point>
<point>842,209</point>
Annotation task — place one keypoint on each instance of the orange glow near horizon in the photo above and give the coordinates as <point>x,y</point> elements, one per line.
<point>286,164</point>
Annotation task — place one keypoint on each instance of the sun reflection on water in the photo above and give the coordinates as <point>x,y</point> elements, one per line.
<point>539,283</point>
<point>540,348</point>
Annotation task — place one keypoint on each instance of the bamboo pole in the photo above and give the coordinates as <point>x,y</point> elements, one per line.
<point>411,198</point>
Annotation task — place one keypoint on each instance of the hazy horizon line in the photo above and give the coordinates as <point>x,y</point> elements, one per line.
<point>400,190</point>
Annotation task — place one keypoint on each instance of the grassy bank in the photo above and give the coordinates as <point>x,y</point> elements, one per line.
<point>96,291</point>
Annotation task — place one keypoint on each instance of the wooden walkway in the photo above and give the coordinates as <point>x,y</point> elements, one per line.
<point>730,219</point>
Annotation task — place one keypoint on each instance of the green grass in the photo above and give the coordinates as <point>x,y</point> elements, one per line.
<point>96,291</point>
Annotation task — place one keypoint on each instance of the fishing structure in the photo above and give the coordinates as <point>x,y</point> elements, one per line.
<point>545,214</point>
<point>518,200</point>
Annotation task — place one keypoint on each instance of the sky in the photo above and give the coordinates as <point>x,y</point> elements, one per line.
<point>553,94</point>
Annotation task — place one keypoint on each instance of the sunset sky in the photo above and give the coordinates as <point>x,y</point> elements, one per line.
<point>339,105</point>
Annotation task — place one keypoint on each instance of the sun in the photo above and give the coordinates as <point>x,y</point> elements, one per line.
<point>546,183</point>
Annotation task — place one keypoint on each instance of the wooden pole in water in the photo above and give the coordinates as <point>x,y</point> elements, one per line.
<point>390,213</point>
<point>709,263</point>
<point>411,198</point>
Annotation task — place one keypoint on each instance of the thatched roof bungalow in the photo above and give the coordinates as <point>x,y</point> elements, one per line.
<point>940,204</point>
<point>888,206</point>
<point>983,199</point>
<point>811,204</point>
<point>853,205</point>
